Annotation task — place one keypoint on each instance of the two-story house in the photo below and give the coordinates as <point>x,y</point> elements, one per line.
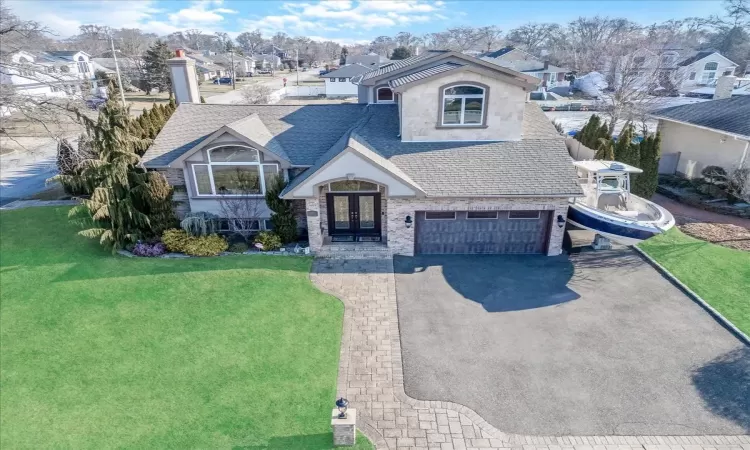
<point>550,76</point>
<point>442,154</point>
<point>48,74</point>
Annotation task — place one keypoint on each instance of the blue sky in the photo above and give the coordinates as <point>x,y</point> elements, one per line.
<point>342,21</point>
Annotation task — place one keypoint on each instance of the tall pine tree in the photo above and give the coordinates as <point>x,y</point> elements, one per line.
<point>156,68</point>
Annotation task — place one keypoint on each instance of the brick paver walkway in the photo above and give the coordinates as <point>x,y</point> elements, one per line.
<point>371,377</point>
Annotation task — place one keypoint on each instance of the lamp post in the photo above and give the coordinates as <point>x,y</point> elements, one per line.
<point>342,404</point>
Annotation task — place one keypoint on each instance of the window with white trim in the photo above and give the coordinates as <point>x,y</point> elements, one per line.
<point>234,171</point>
<point>83,66</point>
<point>332,80</point>
<point>440,215</point>
<point>384,95</point>
<point>463,105</point>
<point>342,80</point>
<point>709,72</point>
<point>524,215</point>
<point>481,215</point>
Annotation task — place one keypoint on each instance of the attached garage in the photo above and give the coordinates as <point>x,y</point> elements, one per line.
<point>481,232</point>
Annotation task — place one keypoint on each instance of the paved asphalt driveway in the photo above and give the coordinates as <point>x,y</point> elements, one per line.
<point>592,344</point>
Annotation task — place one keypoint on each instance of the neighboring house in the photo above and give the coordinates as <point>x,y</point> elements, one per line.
<point>206,68</point>
<point>513,58</point>
<point>712,133</point>
<point>265,61</point>
<point>684,68</point>
<point>339,82</point>
<point>244,65</point>
<point>453,160</point>
<point>49,74</point>
<point>371,60</point>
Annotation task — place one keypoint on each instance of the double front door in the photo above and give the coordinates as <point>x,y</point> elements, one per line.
<point>354,214</point>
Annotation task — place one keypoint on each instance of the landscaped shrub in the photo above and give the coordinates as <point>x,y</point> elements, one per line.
<point>267,241</point>
<point>149,250</point>
<point>210,245</point>
<point>180,241</point>
<point>200,223</point>
<point>175,240</point>
<point>238,247</point>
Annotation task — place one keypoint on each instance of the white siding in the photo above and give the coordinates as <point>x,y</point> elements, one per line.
<point>340,89</point>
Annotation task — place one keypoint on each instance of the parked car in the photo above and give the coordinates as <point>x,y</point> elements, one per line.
<point>95,102</point>
<point>223,80</point>
<point>304,69</point>
<point>264,72</point>
<point>323,72</point>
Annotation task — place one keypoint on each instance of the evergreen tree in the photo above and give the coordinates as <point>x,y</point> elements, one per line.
<point>605,150</point>
<point>156,117</point>
<point>173,105</point>
<point>625,151</point>
<point>203,100</point>
<point>159,206</point>
<point>400,53</point>
<point>283,220</point>
<point>344,54</point>
<point>118,185</point>
<point>650,153</point>
<point>156,70</point>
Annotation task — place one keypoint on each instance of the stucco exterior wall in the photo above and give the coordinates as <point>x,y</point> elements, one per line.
<point>421,107</point>
<point>700,148</point>
<point>401,239</point>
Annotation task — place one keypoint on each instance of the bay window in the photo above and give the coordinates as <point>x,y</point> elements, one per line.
<point>463,105</point>
<point>233,170</point>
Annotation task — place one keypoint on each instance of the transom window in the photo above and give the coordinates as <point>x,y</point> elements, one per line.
<point>233,170</point>
<point>463,105</point>
<point>440,215</point>
<point>352,186</point>
<point>384,94</point>
<point>711,66</point>
<point>528,215</point>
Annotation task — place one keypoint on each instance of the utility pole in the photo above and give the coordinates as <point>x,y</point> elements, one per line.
<point>234,73</point>
<point>296,52</point>
<point>117,69</point>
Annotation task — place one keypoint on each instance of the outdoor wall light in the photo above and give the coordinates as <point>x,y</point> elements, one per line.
<point>408,222</point>
<point>560,221</point>
<point>342,404</point>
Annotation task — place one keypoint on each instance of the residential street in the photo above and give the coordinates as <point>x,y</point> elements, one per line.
<point>276,83</point>
<point>25,171</point>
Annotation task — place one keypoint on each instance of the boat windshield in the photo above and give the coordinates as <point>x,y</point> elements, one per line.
<point>611,183</point>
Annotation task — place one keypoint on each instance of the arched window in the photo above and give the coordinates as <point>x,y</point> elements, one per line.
<point>384,95</point>
<point>709,72</point>
<point>83,66</point>
<point>711,66</point>
<point>463,105</point>
<point>233,170</point>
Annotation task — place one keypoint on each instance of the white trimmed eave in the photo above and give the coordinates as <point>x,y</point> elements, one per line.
<point>502,76</point>
<point>205,143</point>
<point>354,164</point>
<point>726,133</point>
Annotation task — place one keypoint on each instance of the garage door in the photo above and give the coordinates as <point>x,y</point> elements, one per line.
<point>464,232</point>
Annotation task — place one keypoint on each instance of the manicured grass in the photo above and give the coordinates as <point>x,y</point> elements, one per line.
<point>101,351</point>
<point>720,275</point>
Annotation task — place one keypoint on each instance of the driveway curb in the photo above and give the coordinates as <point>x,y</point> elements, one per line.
<point>696,298</point>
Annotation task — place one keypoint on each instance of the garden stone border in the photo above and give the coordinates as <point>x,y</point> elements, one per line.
<point>690,201</point>
<point>696,298</point>
<point>173,255</point>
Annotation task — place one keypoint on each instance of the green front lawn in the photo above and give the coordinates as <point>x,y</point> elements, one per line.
<point>101,351</point>
<point>720,275</point>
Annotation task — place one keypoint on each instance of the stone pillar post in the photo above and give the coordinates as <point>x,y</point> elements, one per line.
<point>344,430</point>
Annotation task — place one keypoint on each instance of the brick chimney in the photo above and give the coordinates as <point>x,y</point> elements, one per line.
<point>184,80</point>
<point>546,65</point>
<point>724,87</point>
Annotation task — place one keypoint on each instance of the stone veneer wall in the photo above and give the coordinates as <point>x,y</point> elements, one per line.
<point>317,226</point>
<point>176,179</point>
<point>401,239</point>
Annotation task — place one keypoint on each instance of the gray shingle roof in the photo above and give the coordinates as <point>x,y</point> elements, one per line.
<point>731,115</point>
<point>304,132</point>
<point>348,71</point>
<point>539,164</point>
<point>422,74</point>
<point>401,63</point>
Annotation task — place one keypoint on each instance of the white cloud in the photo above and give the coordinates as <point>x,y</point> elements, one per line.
<point>341,41</point>
<point>199,12</point>
<point>328,15</point>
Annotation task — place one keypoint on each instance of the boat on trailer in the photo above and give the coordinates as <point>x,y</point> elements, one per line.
<point>609,209</point>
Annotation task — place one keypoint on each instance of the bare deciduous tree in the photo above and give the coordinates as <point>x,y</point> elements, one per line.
<point>256,94</point>
<point>489,36</point>
<point>533,36</point>
<point>242,207</point>
<point>462,38</point>
<point>251,41</point>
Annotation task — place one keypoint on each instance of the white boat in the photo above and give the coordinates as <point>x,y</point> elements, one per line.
<point>609,208</point>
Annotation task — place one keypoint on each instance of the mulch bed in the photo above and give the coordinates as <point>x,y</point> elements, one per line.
<point>727,235</point>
